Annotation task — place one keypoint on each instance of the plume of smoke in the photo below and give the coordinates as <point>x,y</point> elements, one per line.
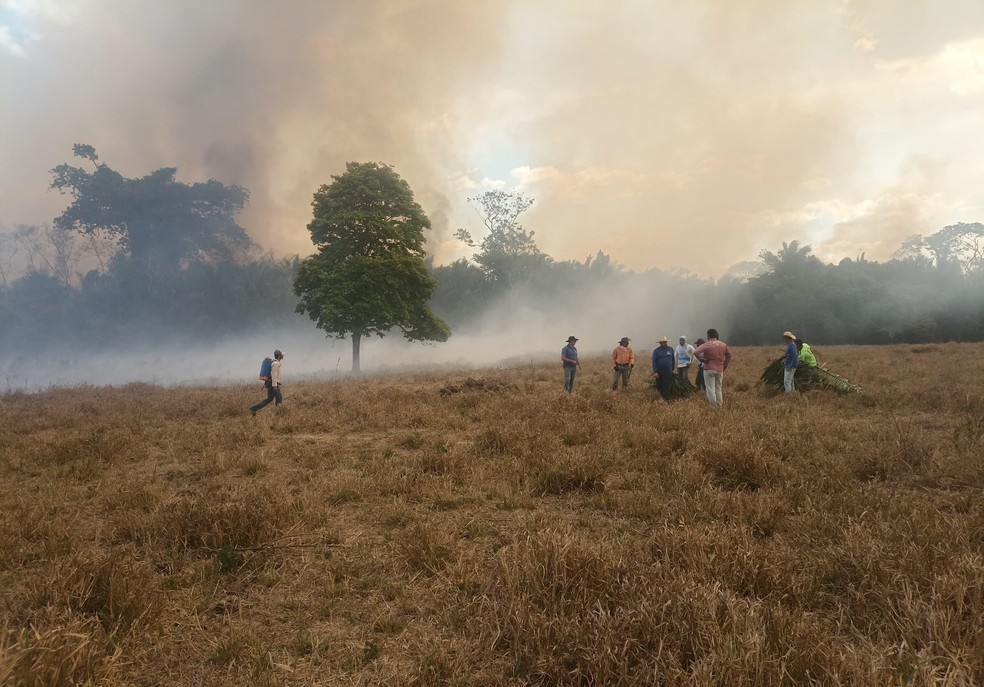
<point>636,125</point>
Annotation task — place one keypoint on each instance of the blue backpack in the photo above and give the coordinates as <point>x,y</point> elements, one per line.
<point>266,369</point>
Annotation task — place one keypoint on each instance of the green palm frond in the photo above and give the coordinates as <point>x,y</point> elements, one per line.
<point>808,377</point>
<point>681,388</point>
<point>832,380</point>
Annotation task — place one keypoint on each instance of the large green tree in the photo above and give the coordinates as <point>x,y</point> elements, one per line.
<point>369,275</point>
<point>159,222</point>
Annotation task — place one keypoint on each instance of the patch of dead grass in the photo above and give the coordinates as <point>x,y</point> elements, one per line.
<point>375,531</point>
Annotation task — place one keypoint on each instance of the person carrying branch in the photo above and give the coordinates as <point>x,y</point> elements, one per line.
<point>623,358</point>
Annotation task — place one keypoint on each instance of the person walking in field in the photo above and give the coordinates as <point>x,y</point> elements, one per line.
<point>568,357</point>
<point>791,361</point>
<point>716,357</point>
<point>664,362</point>
<point>623,358</point>
<point>699,383</point>
<point>684,356</point>
<point>272,384</point>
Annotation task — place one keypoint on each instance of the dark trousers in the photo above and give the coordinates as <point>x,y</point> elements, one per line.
<point>273,394</point>
<point>700,377</point>
<point>665,383</point>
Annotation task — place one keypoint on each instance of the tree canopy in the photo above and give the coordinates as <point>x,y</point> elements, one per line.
<point>955,248</point>
<point>507,254</point>
<point>155,218</point>
<point>369,275</point>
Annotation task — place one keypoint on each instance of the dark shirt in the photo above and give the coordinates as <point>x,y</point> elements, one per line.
<point>663,360</point>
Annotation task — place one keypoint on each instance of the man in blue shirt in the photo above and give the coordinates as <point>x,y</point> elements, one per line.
<point>791,362</point>
<point>664,362</point>
<point>568,356</point>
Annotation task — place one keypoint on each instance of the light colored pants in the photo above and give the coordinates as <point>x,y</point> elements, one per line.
<point>684,372</point>
<point>714,382</point>
<point>788,383</point>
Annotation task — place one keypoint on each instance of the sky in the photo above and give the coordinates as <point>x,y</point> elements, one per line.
<point>668,134</point>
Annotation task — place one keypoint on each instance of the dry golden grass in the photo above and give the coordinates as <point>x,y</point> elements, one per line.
<point>378,531</point>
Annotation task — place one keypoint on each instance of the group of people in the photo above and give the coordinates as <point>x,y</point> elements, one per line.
<point>711,358</point>
<point>797,353</point>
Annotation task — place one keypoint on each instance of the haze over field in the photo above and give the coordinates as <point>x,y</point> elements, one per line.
<point>664,145</point>
<point>720,127</point>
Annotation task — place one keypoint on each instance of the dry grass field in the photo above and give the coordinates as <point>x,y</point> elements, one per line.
<point>377,531</point>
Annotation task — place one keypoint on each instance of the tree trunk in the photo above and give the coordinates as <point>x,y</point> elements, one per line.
<point>356,342</point>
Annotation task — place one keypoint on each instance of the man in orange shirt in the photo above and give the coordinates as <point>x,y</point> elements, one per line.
<point>624,360</point>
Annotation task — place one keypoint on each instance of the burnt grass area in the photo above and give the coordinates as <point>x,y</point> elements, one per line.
<point>446,529</point>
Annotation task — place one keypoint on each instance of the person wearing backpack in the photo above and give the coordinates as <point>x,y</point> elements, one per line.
<point>271,381</point>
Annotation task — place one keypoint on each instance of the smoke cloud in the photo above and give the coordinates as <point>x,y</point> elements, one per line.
<point>670,135</point>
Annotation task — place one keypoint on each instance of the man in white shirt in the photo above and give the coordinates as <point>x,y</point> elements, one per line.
<point>272,385</point>
<point>685,356</point>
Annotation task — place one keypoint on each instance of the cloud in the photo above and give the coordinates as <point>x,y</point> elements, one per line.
<point>580,184</point>
<point>866,44</point>
<point>837,228</point>
<point>10,44</point>
<point>816,184</point>
<point>962,64</point>
<point>665,134</point>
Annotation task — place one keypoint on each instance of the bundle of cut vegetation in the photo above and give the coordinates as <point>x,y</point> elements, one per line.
<point>680,387</point>
<point>808,377</point>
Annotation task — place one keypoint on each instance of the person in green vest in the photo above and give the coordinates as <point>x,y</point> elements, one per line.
<point>806,356</point>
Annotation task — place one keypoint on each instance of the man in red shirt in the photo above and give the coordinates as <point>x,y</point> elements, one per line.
<point>716,356</point>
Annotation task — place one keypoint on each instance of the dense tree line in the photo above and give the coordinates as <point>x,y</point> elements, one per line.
<point>151,259</point>
<point>126,305</point>
<point>909,299</point>
<point>932,289</point>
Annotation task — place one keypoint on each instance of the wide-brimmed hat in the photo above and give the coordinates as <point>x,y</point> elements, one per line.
<point>572,338</point>
<point>624,340</point>
<point>790,335</point>
<point>663,339</point>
